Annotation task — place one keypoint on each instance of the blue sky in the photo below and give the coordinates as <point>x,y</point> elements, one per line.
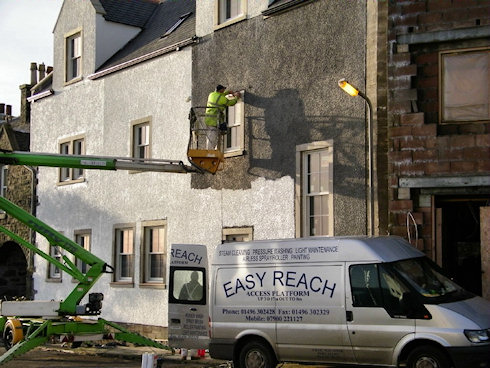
<point>26,35</point>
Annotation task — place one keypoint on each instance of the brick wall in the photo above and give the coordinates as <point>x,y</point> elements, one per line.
<point>418,145</point>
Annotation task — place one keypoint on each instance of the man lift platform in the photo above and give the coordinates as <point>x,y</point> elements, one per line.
<point>200,155</point>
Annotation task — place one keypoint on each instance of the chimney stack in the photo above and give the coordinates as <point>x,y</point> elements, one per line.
<point>42,71</point>
<point>33,74</point>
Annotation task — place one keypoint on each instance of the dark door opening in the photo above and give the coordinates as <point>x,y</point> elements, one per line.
<point>13,271</point>
<point>460,240</point>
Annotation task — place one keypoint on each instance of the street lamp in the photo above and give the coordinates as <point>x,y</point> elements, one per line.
<point>351,90</point>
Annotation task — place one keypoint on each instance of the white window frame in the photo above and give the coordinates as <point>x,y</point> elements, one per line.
<point>73,56</point>
<point>303,195</point>
<point>237,234</point>
<point>220,5</point>
<point>147,252</point>
<point>3,183</point>
<point>473,85</point>
<point>54,273</point>
<point>71,146</point>
<point>124,236</point>
<point>141,143</point>
<point>84,239</point>
<point>234,140</point>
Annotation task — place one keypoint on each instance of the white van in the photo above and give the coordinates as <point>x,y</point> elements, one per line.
<point>358,301</point>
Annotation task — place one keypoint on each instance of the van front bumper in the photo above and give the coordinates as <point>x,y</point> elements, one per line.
<point>473,356</point>
<point>221,349</point>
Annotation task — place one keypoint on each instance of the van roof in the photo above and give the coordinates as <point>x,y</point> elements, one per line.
<point>317,249</point>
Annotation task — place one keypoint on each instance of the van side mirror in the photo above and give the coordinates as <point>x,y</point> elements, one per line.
<point>413,308</point>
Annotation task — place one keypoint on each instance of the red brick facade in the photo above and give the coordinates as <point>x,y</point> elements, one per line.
<point>419,146</point>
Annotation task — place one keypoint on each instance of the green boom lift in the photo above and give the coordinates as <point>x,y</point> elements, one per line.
<point>27,324</point>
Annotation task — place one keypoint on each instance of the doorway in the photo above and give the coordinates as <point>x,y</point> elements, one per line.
<point>13,271</point>
<point>458,242</point>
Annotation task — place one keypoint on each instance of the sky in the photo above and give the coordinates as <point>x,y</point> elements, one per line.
<point>26,35</point>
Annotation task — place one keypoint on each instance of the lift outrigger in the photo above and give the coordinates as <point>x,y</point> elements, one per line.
<point>27,324</point>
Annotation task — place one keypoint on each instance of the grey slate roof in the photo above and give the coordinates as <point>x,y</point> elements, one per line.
<point>131,12</point>
<point>164,16</point>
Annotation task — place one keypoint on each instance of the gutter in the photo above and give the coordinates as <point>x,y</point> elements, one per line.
<point>40,95</point>
<point>175,47</point>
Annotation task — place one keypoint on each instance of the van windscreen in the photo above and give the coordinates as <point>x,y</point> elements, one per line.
<point>429,281</point>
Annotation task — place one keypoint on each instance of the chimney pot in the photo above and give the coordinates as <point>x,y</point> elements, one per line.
<point>8,110</point>
<point>2,108</point>
<point>49,69</point>
<point>42,71</point>
<point>33,74</point>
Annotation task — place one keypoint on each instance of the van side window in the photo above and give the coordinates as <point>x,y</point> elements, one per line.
<point>187,286</point>
<point>364,283</point>
<point>393,293</point>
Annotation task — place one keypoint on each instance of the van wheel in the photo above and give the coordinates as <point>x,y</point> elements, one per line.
<point>427,357</point>
<point>255,355</point>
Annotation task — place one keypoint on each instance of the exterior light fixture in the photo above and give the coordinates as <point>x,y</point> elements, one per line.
<point>353,91</point>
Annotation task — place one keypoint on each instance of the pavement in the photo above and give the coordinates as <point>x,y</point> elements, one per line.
<point>132,352</point>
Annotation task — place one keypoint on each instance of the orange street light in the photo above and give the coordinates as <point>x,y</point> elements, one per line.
<point>353,91</point>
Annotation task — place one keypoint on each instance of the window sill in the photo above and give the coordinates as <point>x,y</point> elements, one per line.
<point>230,22</point>
<point>122,284</point>
<point>234,153</point>
<point>69,182</point>
<point>56,281</point>
<point>73,81</point>
<point>153,285</point>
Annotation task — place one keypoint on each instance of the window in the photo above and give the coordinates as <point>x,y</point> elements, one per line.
<point>237,234</point>
<point>230,11</point>
<point>235,137</point>
<point>154,250</point>
<point>54,273</point>
<point>177,24</point>
<point>3,182</point>
<point>140,138</point>
<point>364,283</point>
<point>186,286</point>
<point>124,253</point>
<point>315,188</point>
<point>465,84</point>
<point>82,238</point>
<point>73,56</point>
<point>73,146</point>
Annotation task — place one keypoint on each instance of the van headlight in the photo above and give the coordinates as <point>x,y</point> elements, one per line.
<point>478,335</point>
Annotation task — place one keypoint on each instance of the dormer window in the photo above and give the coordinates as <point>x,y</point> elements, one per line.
<point>177,24</point>
<point>73,57</point>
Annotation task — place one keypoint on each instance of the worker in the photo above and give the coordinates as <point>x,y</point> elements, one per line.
<point>193,289</point>
<point>215,108</point>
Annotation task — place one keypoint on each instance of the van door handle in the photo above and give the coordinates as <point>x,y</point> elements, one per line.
<point>349,316</point>
<point>175,320</point>
<point>193,309</point>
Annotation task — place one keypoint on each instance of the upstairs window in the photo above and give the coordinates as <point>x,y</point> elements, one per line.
<point>140,139</point>
<point>229,11</point>
<point>465,84</point>
<point>72,146</point>
<point>73,57</point>
<point>3,180</point>
<point>235,134</point>
<point>54,273</point>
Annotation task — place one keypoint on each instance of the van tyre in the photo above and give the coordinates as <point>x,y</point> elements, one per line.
<point>255,354</point>
<point>427,357</point>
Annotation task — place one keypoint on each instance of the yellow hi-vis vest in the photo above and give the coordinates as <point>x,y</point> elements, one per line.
<point>217,102</point>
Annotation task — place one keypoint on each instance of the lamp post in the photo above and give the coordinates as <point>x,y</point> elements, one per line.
<point>351,90</point>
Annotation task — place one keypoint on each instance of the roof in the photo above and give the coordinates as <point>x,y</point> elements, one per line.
<point>165,15</point>
<point>131,12</point>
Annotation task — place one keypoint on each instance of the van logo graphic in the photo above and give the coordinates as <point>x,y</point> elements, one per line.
<point>301,283</point>
<point>181,256</point>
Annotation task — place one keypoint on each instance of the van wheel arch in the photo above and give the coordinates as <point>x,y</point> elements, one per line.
<point>249,341</point>
<point>420,345</point>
